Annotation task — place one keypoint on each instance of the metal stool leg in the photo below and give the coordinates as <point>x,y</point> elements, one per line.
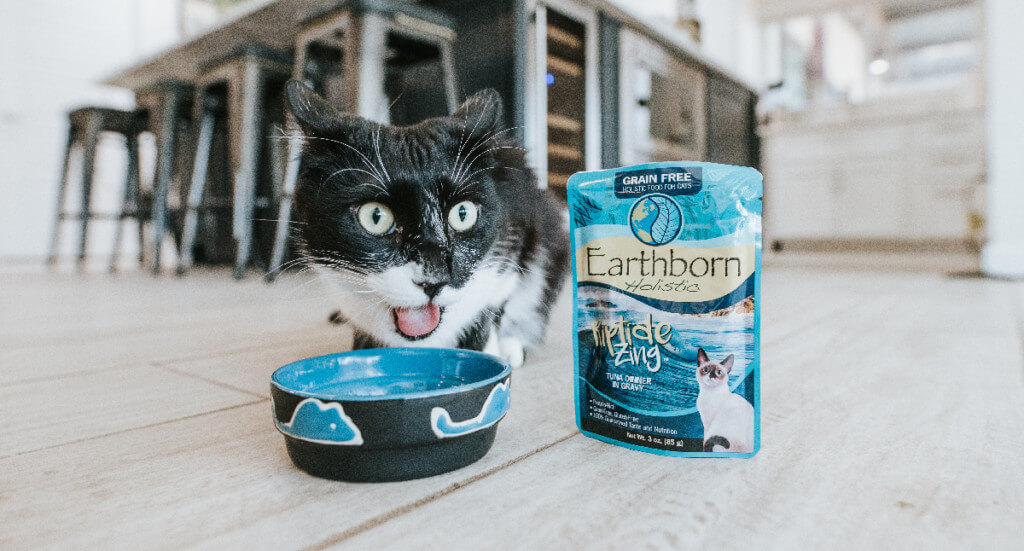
<point>92,134</point>
<point>247,108</point>
<point>130,203</point>
<point>165,127</point>
<point>204,119</point>
<point>284,215</point>
<point>142,240</point>
<point>448,66</point>
<point>51,259</point>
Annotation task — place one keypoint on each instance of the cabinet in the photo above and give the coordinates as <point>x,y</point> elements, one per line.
<point>900,174</point>
<point>731,135</point>
<point>566,93</point>
<point>662,104</point>
<point>673,108</point>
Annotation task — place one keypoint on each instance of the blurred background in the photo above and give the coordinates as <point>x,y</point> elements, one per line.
<point>148,136</point>
<point>881,126</point>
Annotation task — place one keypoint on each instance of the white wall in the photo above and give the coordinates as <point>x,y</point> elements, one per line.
<point>845,53</point>
<point>1003,254</point>
<point>53,53</point>
<point>731,36</point>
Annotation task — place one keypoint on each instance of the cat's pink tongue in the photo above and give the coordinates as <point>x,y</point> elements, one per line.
<point>419,321</point>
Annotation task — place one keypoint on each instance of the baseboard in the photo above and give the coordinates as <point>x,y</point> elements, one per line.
<point>950,246</point>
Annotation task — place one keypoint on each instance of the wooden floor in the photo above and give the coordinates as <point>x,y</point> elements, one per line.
<point>136,415</point>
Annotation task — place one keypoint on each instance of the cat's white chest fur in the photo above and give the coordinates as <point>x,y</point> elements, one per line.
<point>728,415</point>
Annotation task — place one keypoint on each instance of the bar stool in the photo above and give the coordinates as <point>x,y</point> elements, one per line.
<point>86,124</point>
<point>167,106</point>
<point>245,76</point>
<point>352,57</point>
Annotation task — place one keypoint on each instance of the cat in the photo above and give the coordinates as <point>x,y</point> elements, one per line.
<point>432,235</point>
<point>727,417</point>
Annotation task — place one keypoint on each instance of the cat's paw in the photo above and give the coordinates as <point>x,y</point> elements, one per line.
<point>512,351</point>
<point>492,346</point>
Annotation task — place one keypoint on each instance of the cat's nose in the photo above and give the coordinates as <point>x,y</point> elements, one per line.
<point>432,288</point>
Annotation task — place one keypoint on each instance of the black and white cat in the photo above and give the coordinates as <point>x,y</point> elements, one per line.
<point>727,417</point>
<point>433,234</point>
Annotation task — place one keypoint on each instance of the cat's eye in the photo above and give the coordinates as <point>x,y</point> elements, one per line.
<point>376,218</point>
<point>463,216</point>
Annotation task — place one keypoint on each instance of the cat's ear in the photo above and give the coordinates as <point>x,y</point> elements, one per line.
<point>482,113</point>
<point>702,356</point>
<point>313,113</point>
<point>727,363</point>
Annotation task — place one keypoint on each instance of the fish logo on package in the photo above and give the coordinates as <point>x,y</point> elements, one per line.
<point>666,288</point>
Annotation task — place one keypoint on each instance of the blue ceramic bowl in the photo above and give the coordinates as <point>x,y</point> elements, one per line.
<point>390,413</point>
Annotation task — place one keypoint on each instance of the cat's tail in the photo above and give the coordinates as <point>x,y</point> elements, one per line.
<point>710,443</point>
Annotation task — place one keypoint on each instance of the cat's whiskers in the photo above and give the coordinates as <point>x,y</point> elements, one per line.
<point>487,137</point>
<point>482,153</point>
<point>506,262</point>
<point>305,285</point>
<point>286,265</point>
<point>462,165</point>
<point>366,160</point>
<point>464,140</point>
<point>379,185</point>
<point>296,222</point>
<point>332,273</point>
<point>463,183</point>
<point>376,146</point>
<point>350,290</point>
<point>458,154</point>
<point>338,271</point>
<point>462,180</point>
<point>312,259</point>
<point>367,264</point>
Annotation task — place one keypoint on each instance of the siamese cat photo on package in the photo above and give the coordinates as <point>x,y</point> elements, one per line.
<point>727,417</point>
<point>432,235</point>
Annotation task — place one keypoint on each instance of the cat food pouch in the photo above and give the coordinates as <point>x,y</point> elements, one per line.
<point>666,261</point>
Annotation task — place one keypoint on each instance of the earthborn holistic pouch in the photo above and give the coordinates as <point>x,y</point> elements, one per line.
<point>667,280</point>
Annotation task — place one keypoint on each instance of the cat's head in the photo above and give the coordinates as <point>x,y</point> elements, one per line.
<point>404,219</point>
<point>710,373</point>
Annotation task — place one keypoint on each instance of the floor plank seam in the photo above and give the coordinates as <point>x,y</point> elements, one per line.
<point>141,427</point>
<point>394,513</point>
<point>211,381</point>
<point>113,332</point>
<point>74,340</point>
<point>213,354</point>
<point>166,362</point>
<point>812,323</point>
<point>44,378</point>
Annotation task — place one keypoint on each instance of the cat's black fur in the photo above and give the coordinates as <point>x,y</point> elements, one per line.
<point>420,172</point>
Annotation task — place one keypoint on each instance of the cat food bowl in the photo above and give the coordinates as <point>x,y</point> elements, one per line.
<point>390,414</point>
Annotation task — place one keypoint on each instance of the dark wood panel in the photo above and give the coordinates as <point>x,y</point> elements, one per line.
<point>731,136</point>
<point>485,49</point>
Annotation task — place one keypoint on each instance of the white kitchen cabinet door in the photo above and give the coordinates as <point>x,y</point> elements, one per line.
<point>870,198</point>
<point>799,202</point>
<point>941,198</point>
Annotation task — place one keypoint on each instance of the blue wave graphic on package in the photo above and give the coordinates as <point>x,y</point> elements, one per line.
<point>324,423</point>
<point>666,274</point>
<point>494,408</point>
